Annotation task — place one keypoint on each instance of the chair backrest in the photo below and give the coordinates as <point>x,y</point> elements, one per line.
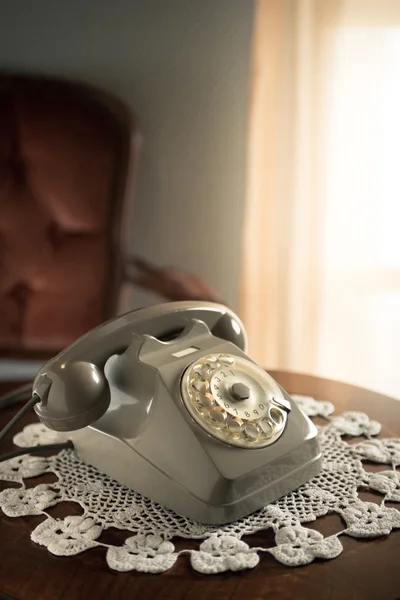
<point>66,154</point>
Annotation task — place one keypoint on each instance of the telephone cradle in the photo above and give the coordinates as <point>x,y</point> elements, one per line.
<point>166,401</point>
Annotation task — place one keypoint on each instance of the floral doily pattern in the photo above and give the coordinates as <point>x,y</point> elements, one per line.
<point>151,549</point>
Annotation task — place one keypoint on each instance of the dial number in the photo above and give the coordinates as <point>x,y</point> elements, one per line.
<point>221,381</point>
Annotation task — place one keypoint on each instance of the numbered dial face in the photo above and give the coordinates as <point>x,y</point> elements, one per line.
<point>234,400</point>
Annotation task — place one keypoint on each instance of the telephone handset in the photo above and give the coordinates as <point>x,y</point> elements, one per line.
<point>166,401</point>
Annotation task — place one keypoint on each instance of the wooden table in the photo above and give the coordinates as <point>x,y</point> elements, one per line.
<point>366,570</point>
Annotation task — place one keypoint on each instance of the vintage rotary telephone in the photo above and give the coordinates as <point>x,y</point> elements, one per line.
<point>165,401</point>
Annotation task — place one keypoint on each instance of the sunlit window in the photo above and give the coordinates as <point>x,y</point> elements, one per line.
<point>321,268</point>
<point>359,331</point>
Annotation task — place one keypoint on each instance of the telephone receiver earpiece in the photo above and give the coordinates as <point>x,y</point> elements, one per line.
<point>80,395</point>
<point>72,387</point>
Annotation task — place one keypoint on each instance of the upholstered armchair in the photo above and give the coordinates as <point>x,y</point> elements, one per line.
<point>68,166</point>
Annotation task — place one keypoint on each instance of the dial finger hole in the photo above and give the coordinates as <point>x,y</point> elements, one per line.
<point>226,359</point>
<point>197,368</point>
<point>276,416</point>
<point>217,416</point>
<point>266,427</point>
<point>202,372</point>
<point>200,385</point>
<point>211,362</point>
<point>204,403</point>
<point>206,371</point>
<point>251,431</point>
<point>235,426</point>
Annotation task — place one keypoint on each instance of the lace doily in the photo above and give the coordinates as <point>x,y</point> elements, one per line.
<point>150,548</point>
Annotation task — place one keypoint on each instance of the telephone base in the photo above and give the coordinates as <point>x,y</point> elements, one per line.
<point>191,423</point>
<point>117,459</point>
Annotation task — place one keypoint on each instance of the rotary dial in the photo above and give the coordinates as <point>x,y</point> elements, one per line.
<point>235,400</point>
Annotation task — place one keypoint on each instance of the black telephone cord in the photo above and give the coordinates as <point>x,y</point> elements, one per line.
<point>16,419</point>
<point>35,450</point>
<point>21,393</point>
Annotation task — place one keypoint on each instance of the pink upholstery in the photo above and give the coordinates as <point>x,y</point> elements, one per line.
<point>62,165</point>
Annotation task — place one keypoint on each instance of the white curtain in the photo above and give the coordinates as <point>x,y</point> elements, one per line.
<point>321,270</point>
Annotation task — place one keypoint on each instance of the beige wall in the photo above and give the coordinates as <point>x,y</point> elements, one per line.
<point>183,66</point>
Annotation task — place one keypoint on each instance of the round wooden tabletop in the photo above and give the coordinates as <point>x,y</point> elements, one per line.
<point>366,569</point>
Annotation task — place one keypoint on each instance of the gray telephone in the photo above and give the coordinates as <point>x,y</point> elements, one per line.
<point>165,401</point>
